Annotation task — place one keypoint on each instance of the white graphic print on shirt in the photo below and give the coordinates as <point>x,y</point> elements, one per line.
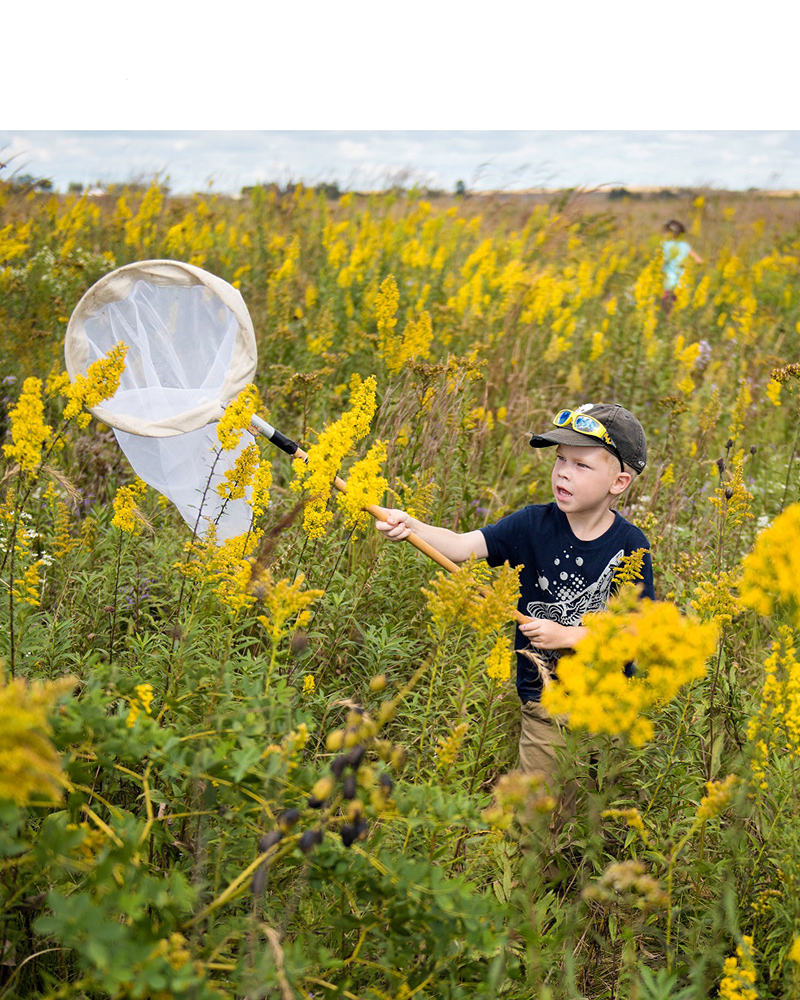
<point>575,598</point>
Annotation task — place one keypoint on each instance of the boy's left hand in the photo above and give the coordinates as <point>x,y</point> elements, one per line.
<point>544,634</point>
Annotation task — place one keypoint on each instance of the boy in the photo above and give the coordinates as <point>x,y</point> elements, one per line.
<point>568,549</point>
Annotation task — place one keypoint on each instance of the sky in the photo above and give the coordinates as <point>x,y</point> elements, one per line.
<point>226,161</point>
<point>504,96</point>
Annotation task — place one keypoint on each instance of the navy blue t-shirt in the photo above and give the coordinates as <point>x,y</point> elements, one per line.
<point>563,578</point>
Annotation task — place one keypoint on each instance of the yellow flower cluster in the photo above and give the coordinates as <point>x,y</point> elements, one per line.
<point>668,649</point>
<point>28,588</point>
<point>127,516</point>
<point>629,570</point>
<point>500,660</point>
<point>283,601</point>
<point>309,684</point>
<point>100,382</point>
<point>632,817</point>
<point>774,729</point>
<point>473,596</point>
<point>141,701</point>
<point>249,472</point>
<point>451,601</point>
<point>718,795</point>
<point>448,747</point>
<point>29,432</point>
<point>418,497</point>
<point>734,509</point>
<point>63,541</point>
<point>628,879</point>
<point>716,600</point>
<point>140,229</point>
<point>386,304</point>
<point>327,455</point>
<point>771,571</point>
<point>469,596</point>
<point>366,485</point>
<point>226,567</point>
<point>739,974</point>
<point>415,343</point>
<point>30,766</point>
<point>237,417</point>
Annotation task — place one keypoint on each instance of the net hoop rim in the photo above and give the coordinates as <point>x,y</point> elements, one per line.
<point>115,286</point>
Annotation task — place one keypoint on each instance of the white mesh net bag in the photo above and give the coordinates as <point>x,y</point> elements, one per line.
<point>191,349</point>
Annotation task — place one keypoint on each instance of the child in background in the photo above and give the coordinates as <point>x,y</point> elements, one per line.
<point>676,251</point>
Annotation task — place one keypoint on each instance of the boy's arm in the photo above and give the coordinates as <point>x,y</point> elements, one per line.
<point>457,546</point>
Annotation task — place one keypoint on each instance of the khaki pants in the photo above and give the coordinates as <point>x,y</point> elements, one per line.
<point>541,738</point>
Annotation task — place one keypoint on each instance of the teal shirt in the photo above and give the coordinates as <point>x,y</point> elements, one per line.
<point>675,254</point>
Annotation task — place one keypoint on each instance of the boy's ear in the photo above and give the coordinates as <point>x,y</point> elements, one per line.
<point>621,483</point>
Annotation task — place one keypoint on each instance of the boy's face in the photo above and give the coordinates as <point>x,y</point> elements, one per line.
<point>586,479</point>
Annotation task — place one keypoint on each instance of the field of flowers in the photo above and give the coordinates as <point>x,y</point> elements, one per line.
<point>284,766</point>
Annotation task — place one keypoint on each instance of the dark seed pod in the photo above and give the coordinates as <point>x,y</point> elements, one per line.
<point>348,833</point>
<point>349,786</point>
<point>354,757</point>
<point>753,449</point>
<point>338,764</point>
<point>287,819</point>
<point>728,493</point>
<point>729,444</point>
<point>259,880</point>
<point>721,465</point>
<point>309,839</point>
<point>269,840</point>
<point>362,829</point>
<point>386,783</point>
<point>315,803</point>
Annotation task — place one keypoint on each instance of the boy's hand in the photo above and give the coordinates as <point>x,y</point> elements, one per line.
<point>544,634</point>
<point>397,524</point>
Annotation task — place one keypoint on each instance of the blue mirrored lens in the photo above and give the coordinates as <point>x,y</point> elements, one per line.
<point>588,425</point>
<point>562,418</point>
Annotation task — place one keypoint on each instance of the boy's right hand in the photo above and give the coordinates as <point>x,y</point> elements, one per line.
<point>397,525</point>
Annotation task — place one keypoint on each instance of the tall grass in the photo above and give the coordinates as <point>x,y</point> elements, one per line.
<point>171,824</point>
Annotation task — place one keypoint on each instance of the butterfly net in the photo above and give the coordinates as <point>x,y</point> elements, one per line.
<point>191,350</point>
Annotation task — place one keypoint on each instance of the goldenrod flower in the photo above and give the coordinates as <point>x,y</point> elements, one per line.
<point>366,486</point>
<point>774,730</point>
<point>309,684</point>
<point>142,700</point>
<point>241,476</point>
<point>327,455</point>
<point>29,432</point>
<point>501,658</point>
<point>226,567</point>
<point>126,512</point>
<point>771,571</point>
<point>386,305</point>
<point>451,601</point>
<point>30,766</point>
<point>415,343</point>
<point>632,817</point>
<point>716,600</point>
<point>100,382</point>
<point>448,747</point>
<point>718,795</point>
<point>283,601</point>
<point>237,417</point>
<point>669,650</point>
<point>739,974</point>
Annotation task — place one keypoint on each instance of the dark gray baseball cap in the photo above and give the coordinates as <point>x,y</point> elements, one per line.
<point>625,431</point>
